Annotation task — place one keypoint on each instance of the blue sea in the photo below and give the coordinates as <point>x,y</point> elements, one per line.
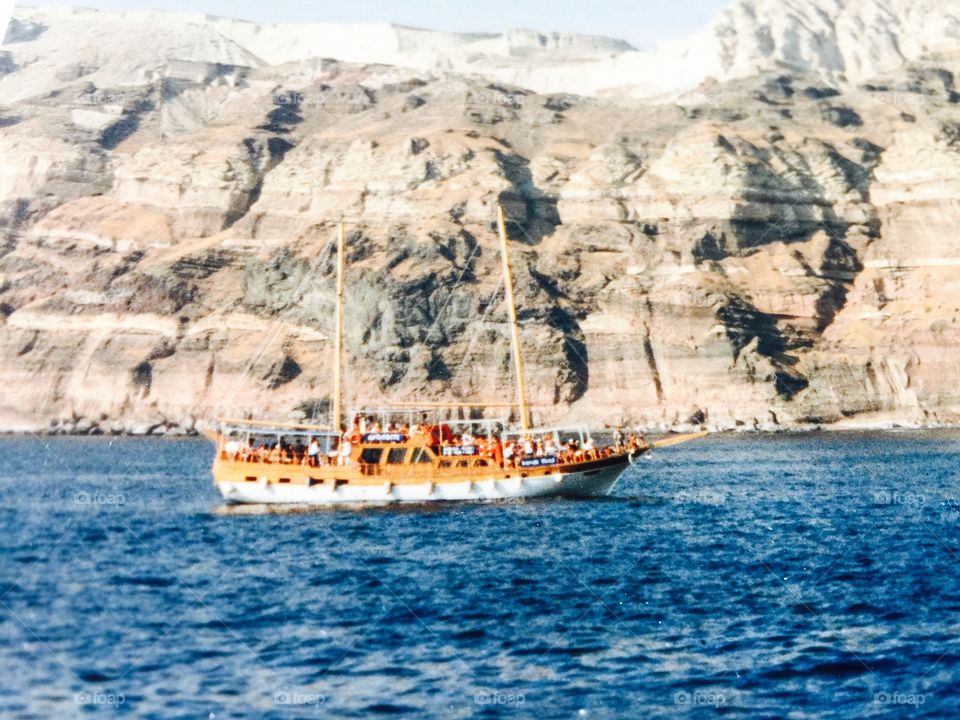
<point>801,576</point>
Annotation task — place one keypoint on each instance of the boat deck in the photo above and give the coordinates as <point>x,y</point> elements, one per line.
<point>406,463</point>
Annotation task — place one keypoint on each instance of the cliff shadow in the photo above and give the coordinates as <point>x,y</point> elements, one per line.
<point>531,213</point>
<point>748,328</point>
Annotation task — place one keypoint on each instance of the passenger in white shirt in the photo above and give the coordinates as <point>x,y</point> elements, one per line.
<point>232,448</point>
<point>344,451</point>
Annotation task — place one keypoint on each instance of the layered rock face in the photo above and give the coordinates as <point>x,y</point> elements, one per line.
<point>766,252</point>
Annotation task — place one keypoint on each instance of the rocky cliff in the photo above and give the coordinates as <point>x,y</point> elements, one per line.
<point>776,250</point>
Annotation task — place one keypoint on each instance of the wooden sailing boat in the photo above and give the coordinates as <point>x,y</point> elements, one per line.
<point>410,452</point>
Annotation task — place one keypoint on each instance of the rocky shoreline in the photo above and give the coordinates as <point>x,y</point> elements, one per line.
<point>77,426</point>
<point>84,427</point>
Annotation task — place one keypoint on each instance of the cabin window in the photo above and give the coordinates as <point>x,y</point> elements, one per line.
<point>463,463</point>
<point>420,456</point>
<point>480,463</point>
<point>250,478</point>
<point>396,456</point>
<point>371,456</point>
<point>285,480</point>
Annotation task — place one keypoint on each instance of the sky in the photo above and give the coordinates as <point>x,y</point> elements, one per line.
<point>640,22</point>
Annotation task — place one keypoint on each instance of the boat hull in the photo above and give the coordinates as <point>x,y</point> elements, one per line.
<point>570,483</point>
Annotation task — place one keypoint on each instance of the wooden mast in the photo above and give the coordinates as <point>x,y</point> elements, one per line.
<point>336,414</point>
<point>514,326</point>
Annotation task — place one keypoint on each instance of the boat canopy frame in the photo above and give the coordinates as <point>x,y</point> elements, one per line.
<point>580,430</point>
<point>247,429</point>
<point>489,426</point>
<point>412,416</point>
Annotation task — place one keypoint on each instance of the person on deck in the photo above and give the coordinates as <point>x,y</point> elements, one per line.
<point>496,450</point>
<point>273,453</point>
<point>549,446</point>
<point>248,452</point>
<point>588,448</point>
<point>313,453</point>
<point>345,446</point>
<point>356,433</point>
<point>618,438</point>
<point>537,449</point>
<point>231,450</point>
<point>577,450</point>
<point>334,452</point>
<point>424,427</point>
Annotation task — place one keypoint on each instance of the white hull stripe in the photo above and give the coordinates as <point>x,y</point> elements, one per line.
<point>589,483</point>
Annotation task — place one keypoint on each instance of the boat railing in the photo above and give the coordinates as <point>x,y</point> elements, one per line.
<point>412,417</point>
<point>262,427</point>
<point>237,439</point>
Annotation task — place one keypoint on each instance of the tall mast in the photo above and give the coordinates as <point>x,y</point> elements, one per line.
<point>514,326</point>
<point>338,344</point>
